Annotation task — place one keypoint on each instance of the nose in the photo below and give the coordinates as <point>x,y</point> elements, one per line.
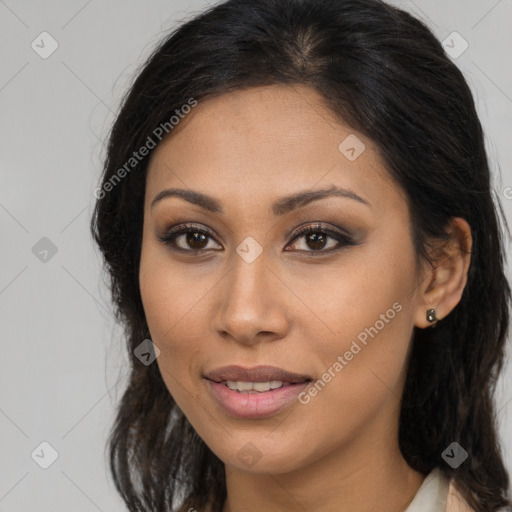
<point>252,304</point>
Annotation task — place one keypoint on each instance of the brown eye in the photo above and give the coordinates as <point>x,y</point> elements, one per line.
<point>196,239</point>
<point>192,239</point>
<point>316,239</point>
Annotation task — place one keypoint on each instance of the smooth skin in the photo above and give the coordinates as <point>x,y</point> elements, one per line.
<point>297,305</point>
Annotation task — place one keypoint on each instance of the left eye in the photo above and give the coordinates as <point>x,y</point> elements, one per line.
<point>315,237</point>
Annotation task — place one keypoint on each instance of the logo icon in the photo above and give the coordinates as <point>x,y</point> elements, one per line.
<point>147,352</point>
<point>249,249</point>
<point>352,147</point>
<point>249,455</point>
<point>44,455</point>
<point>44,250</point>
<point>455,45</point>
<point>454,455</point>
<point>44,45</point>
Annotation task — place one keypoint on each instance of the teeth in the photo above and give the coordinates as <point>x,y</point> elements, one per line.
<point>261,386</point>
<point>258,387</point>
<point>243,386</point>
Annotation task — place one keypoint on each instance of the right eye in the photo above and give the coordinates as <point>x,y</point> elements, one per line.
<point>190,236</point>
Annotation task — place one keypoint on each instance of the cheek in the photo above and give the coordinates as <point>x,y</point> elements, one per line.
<point>346,300</point>
<point>369,311</point>
<point>169,290</point>
<point>174,306</point>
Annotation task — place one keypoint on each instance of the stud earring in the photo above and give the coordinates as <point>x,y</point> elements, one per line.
<point>431,317</point>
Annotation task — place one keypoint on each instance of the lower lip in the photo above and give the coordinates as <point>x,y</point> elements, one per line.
<point>255,405</point>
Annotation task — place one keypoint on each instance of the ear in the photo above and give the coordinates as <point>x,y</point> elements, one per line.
<point>442,285</point>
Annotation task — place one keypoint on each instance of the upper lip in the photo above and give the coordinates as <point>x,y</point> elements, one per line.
<point>256,374</point>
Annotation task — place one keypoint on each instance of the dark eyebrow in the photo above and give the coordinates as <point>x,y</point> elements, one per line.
<point>280,207</point>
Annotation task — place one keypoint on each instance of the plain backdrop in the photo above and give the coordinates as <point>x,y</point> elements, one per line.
<point>62,367</point>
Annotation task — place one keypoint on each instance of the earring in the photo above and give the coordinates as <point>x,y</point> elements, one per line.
<point>431,317</point>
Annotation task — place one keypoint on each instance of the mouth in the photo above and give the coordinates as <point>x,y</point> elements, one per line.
<point>257,392</point>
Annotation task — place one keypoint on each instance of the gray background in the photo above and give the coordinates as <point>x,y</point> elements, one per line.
<point>62,363</point>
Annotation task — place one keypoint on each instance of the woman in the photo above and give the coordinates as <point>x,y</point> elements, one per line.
<point>297,220</point>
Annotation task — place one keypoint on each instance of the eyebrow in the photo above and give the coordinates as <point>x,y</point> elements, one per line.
<point>279,207</point>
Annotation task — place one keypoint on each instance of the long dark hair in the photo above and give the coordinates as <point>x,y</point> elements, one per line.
<point>384,73</point>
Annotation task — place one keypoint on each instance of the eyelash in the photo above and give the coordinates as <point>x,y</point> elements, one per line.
<point>168,238</point>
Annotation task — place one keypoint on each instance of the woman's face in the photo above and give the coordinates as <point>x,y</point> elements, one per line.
<point>335,307</point>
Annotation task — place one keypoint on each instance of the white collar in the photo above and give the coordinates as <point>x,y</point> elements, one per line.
<point>432,495</point>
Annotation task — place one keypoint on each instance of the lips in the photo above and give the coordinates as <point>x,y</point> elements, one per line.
<point>256,374</point>
<point>255,393</point>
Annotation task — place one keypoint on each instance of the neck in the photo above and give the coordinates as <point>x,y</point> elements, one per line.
<point>366,475</point>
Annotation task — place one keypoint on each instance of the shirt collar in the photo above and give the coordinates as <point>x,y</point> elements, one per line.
<point>432,495</point>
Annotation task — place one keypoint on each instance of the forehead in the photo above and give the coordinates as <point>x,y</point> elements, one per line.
<point>256,143</point>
